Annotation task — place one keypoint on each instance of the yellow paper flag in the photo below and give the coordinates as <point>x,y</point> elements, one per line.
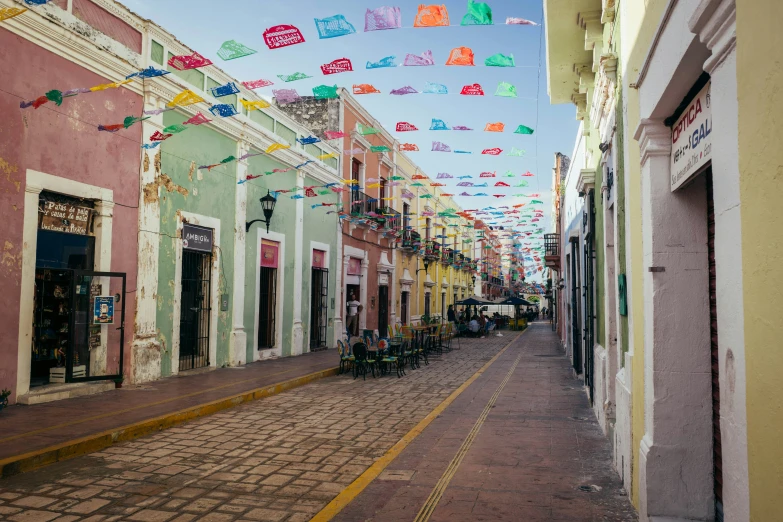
<point>373,185</point>
<point>255,105</point>
<point>186,97</point>
<point>9,12</point>
<point>276,146</point>
<point>327,156</point>
<point>105,86</point>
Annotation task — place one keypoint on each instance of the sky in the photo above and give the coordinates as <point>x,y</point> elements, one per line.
<point>204,26</point>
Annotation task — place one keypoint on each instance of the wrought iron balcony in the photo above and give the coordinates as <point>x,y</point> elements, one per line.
<point>432,250</point>
<point>362,204</point>
<point>390,218</point>
<point>411,241</point>
<point>552,251</point>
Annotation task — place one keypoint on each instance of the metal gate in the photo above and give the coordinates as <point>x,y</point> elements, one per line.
<point>576,335</point>
<point>319,297</point>
<point>717,450</point>
<point>383,310</point>
<point>195,310</point>
<point>267,306</point>
<point>589,295</point>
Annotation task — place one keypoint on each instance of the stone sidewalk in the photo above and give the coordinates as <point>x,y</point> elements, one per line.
<point>280,458</point>
<point>520,444</point>
<point>76,425</point>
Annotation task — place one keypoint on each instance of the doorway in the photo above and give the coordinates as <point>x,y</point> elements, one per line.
<point>267,305</point>
<point>383,310</point>
<point>196,298</point>
<point>319,296</point>
<point>576,335</point>
<point>404,298</point>
<point>442,306</point>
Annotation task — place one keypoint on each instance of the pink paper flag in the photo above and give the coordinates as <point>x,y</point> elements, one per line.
<point>282,36</point>
<point>185,62</point>
<point>492,152</point>
<point>198,119</point>
<point>286,96</point>
<point>424,60</point>
<point>440,147</point>
<point>257,84</point>
<point>382,18</point>
<point>333,135</point>
<point>518,21</point>
<point>404,126</point>
<point>472,90</point>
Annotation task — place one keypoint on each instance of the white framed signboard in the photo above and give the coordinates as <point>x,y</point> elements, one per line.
<point>692,139</point>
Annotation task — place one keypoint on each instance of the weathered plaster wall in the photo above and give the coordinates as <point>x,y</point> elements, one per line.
<point>62,141</point>
<point>208,193</point>
<point>759,80</point>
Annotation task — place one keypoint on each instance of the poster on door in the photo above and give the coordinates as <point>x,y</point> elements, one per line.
<point>692,140</point>
<point>103,311</point>
<point>270,250</point>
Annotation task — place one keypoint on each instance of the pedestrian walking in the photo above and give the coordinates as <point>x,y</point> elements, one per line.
<point>452,316</point>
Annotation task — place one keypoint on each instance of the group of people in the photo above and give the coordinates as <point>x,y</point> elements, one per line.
<point>477,323</point>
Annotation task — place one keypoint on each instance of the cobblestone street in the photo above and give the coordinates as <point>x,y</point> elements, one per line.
<point>281,458</point>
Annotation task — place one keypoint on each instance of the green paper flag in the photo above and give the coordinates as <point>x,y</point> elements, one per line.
<point>478,13</point>
<point>506,90</point>
<point>523,130</point>
<point>380,148</point>
<point>364,130</point>
<point>396,178</point>
<point>293,77</point>
<point>500,60</point>
<point>417,184</point>
<point>325,92</point>
<point>55,96</point>
<point>174,129</point>
<point>537,201</point>
<point>231,50</point>
<point>130,120</point>
<point>426,196</point>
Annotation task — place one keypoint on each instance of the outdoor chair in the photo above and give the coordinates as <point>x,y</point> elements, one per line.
<point>445,337</point>
<point>389,360</point>
<point>346,357</point>
<point>362,362</point>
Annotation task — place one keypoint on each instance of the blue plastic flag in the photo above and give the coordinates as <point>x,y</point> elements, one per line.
<point>308,141</point>
<point>435,88</point>
<point>149,72</point>
<point>224,90</point>
<point>333,27</point>
<point>224,110</point>
<point>384,62</point>
<point>439,125</point>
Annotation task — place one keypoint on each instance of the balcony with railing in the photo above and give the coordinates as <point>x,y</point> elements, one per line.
<point>448,256</point>
<point>411,241</point>
<point>389,218</point>
<point>552,251</point>
<point>432,250</point>
<point>362,204</point>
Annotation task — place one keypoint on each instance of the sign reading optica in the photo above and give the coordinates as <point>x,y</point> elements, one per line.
<point>691,140</point>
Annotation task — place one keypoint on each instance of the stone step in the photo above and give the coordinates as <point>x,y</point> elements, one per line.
<point>56,392</point>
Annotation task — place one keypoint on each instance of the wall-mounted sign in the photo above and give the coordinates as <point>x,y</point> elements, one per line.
<point>197,238</point>
<point>319,259</point>
<point>383,279</point>
<point>63,217</point>
<point>270,251</point>
<point>692,140</point>
<point>103,311</point>
<point>354,266</point>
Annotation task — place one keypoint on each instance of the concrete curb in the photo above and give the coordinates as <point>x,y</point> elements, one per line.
<point>96,442</point>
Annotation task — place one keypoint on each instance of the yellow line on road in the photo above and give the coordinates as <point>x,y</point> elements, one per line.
<point>432,501</point>
<point>353,490</point>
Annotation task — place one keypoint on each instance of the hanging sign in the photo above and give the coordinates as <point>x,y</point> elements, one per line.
<point>691,140</point>
<point>319,259</point>
<point>103,311</point>
<point>64,217</point>
<point>282,36</point>
<point>196,238</point>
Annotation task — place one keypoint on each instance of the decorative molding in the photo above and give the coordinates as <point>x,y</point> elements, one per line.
<point>586,180</point>
<point>715,22</point>
<point>655,139</point>
<point>607,11</point>
<point>590,21</point>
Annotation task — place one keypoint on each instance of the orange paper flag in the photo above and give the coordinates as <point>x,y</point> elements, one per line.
<point>495,127</point>
<point>365,88</point>
<point>432,16</point>
<point>461,56</point>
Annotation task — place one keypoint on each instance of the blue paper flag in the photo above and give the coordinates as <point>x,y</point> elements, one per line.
<point>333,27</point>
<point>384,62</point>
<point>35,2</point>
<point>439,125</point>
<point>223,110</point>
<point>224,90</point>
<point>308,141</point>
<point>151,145</point>
<point>435,88</point>
<point>149,72</point>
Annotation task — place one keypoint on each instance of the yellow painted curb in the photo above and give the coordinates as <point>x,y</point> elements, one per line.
<point>353,490</point>
<point>92,443</point>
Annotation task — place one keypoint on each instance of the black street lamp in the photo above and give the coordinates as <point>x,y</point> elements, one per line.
<point>473,278</point>
<point>426,266</point>
<point>268,206</point>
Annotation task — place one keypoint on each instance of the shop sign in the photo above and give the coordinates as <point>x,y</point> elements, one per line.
<point>64,217</point>
<point>319,259</point>
<point>354,266</point>
<point>270,250</point>
<point>196,238</point>
<point>692,140</point>
<point>103,311</point>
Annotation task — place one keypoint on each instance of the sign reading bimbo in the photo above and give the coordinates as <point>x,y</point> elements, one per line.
<point>691,140</point>
<point>197,238</point>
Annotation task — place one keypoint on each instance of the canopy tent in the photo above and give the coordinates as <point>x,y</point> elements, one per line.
<point>474,300</point>
<point>516,301</point>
